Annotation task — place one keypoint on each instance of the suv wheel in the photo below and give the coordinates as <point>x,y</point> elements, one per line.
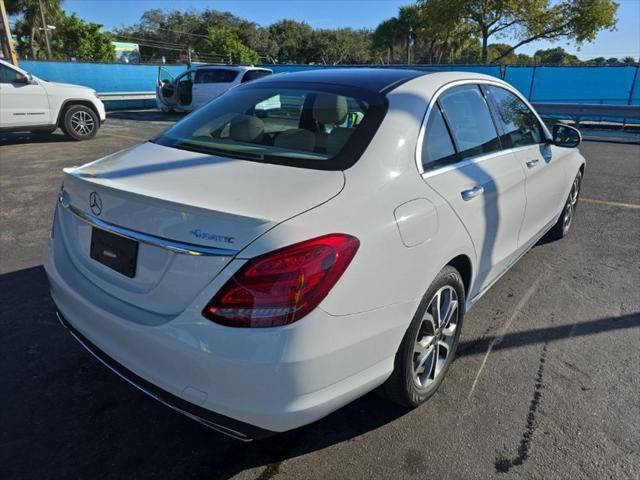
<point>430,343</point>
<point>80,122</point>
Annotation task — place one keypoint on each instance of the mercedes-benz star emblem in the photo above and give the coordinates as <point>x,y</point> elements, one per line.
<point>95,203</point>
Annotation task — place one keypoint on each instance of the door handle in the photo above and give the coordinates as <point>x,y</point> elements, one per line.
<point>532,163</point>
<point>472,192</point>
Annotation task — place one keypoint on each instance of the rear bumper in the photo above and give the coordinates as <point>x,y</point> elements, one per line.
<point>228,426</point>
<point>244,382</point>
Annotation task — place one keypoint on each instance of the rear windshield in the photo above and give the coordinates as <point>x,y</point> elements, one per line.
<point>255,75</point>
<point>315,126</point>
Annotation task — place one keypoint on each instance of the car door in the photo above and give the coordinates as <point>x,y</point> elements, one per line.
<point>24,102</point>
<point>209,83</point>
<point>465,163</point>
<point>166,88</point>
<point>545,176</point>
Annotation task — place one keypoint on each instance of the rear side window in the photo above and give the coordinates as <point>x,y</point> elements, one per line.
<point>519,123</point>
<point>437,146</point>
<point>468,117</point>
<point>254,75</point>
<point>218,75</point>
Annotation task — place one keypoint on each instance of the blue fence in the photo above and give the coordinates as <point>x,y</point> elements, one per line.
<point>590,84</point>
<point>102,77</point>
<point>603,85</point>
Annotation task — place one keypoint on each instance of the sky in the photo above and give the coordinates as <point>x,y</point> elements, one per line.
<point>625,41</point>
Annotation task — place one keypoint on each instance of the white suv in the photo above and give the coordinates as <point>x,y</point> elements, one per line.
<point>31,104</point>
<point>195,87</point>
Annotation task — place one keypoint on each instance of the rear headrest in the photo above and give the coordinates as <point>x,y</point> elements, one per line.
<point>246,128</point>
<point>296,139</point>
<point>330,109</point>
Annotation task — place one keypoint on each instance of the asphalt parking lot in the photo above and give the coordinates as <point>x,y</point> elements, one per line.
<point>546,385</point>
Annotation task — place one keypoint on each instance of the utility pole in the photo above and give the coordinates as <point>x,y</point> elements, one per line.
<point>45,30</point>
<point>5,36</point>
<point>411,38</point>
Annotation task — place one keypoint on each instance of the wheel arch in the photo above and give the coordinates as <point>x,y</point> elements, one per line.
<point>462,263</point>
<point>72,102</point>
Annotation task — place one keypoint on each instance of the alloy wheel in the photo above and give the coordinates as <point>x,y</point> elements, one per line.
<point>572,203</point>
<point>435,338</point>
<point>82,123</point>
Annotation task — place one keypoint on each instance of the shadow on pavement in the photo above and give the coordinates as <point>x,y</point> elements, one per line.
<point>20,138</point>
<point>145,115</point>
<point>66,416</point>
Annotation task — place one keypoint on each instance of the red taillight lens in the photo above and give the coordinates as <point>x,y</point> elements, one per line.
<point>281,287</point>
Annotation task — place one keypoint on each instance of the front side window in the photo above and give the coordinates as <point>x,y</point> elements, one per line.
<point>9,75</point>
<point>469,120</point>
<point>305,125</point>
<point>437,147</point>
<point>519,123</point>
<point>217,75</point>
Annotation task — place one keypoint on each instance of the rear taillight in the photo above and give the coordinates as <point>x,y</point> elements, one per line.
<point>282,286</point>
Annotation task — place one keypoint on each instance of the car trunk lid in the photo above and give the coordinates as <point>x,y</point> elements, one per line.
<point>210,207</point>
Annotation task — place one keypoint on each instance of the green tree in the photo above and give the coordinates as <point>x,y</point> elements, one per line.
<point>294,40</point>
<point>503,52</point>
<point>28,26</point>
<point>629,60</point>
<point>391,36</point>
<point>525,21</point>
<point>341,46</point>
<point>555,56</point>
<point>72,36</point>
<point>523,59</point>
<point>164,33</point>
<point>224,41</point>
<point>77,38</point>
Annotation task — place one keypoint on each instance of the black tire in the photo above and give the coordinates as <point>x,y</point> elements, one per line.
<point>80,122</point>
<point>563,225</point>
<point>402,387</point>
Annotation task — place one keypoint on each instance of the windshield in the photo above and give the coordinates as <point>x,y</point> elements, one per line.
<point>304,125</point>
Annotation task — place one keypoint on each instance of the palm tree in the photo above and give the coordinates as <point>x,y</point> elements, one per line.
<point>29,24</point>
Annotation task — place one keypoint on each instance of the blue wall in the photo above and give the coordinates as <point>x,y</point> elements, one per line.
<point>102,77</point>
<point>608,85</point>
<point>604,85</point>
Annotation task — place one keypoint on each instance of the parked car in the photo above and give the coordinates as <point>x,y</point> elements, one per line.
<point>257,269</point>
<point>195,87</point>
<point>29,103</point>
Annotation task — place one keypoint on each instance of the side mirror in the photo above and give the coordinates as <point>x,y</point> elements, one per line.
<point>566,136</point>
<point>27,79</point>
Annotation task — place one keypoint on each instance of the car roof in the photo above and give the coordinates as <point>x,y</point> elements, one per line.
<point>237,68</point>
<point>373,79</point>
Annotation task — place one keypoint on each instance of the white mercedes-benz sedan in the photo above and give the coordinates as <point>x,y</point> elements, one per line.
<point>306,238</point>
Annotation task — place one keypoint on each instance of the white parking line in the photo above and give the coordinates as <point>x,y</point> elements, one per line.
<point>607,202</point>
<point>505,329</point>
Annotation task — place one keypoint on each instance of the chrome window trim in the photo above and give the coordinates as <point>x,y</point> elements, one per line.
<point>432,102</point>
<point>465,162</point>
<point>172,245</point>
